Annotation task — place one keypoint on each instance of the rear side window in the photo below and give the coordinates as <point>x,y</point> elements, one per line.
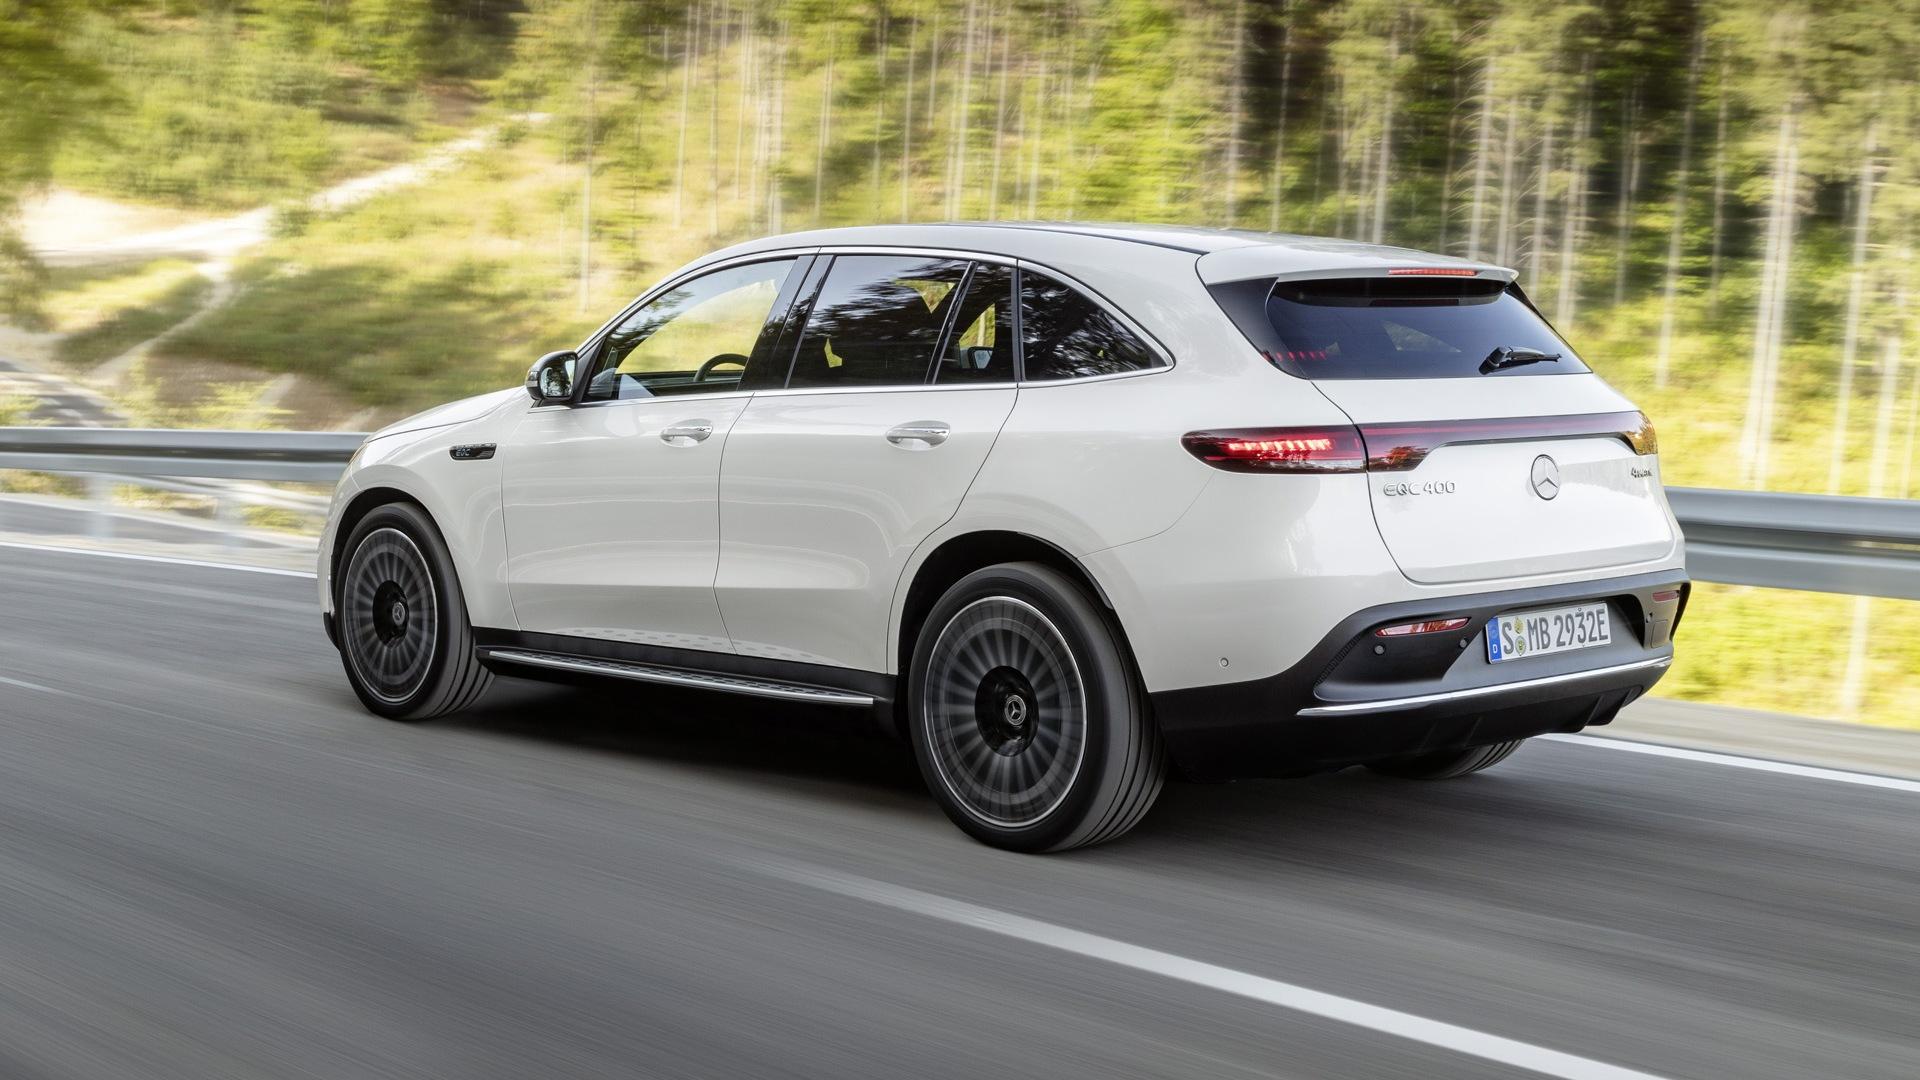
<point>1394,328</point>
<point>877,321</point>
<point>1068,336</point>
<point>980,350</point>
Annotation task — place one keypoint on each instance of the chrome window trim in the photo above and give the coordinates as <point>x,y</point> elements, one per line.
<point>895,388</point>
<point>774,254</point>
<point>724,395</point>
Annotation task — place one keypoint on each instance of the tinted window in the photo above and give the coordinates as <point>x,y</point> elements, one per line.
<point>877,321</point>
<point>694,338</point>
<point>1392,328</point>
<point>981,346</point>
<point>1068,336</point>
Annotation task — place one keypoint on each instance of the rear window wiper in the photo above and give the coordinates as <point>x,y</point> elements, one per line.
<point>1507,356</point>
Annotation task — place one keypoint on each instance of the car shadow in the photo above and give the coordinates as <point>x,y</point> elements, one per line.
<point>713,731</point>
<point>1348,820</point>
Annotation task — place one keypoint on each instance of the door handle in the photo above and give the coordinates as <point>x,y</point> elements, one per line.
<point>687,434</point>
<point>919,435</point>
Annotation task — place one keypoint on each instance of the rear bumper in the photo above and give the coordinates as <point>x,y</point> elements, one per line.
<point>1356,697</point>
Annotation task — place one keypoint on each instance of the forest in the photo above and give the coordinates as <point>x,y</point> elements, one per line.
<point>1715,201</point>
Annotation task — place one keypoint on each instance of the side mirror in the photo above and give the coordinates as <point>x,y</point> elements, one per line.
<point>550,379</point>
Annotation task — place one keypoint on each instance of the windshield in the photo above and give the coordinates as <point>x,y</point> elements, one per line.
<point>1396,328</point>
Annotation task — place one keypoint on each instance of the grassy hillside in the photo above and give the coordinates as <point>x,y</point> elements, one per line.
<point>1716,202</point>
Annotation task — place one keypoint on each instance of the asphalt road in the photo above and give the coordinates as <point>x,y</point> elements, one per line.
<point>56,398</point>
<point>214,864</point>
<point>43,519</point>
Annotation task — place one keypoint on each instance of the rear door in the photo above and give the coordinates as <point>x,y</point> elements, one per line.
<point>1493,451</point>
<point>902,374</point>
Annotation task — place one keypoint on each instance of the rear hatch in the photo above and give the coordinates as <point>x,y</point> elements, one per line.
<point>1492,450</point>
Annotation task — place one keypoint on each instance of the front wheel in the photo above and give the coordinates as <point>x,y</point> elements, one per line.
<point>404,634</point>
<point>1445,764</point>
<point>1026,714</point>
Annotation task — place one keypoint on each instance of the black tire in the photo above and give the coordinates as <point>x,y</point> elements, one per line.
<point>1445,764</point>
<point>404,636</point>
<point>1027,716</point>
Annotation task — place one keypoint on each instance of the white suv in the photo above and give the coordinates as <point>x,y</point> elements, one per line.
<point>1067,506</point>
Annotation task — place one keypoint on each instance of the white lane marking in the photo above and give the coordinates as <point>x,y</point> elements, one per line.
<point>25,685</point>
<point>1708,757</point>
<point>1393,1022</point>
<point>169,559</point>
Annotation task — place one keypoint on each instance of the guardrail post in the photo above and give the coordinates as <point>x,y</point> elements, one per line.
<point>100,505</point>
<point>225,512</point>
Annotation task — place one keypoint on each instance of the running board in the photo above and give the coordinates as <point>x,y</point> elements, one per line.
<point>699,680</point>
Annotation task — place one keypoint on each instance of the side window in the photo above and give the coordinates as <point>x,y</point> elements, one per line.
<point>981,346</point>
<point>1068,336</point>
<point>877,321</point>
<point>693,339</point>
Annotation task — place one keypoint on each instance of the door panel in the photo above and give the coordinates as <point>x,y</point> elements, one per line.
<point>612,525</point>
<point>824,498</point>
<point>612,531</point>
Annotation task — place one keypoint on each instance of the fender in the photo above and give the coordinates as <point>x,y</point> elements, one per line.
<point>462,495</point>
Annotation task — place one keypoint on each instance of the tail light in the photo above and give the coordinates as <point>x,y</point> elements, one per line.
<point>1642,438</point>
<point>1432,271</point>
<point>1280,450</point>
<point>1399,447</point>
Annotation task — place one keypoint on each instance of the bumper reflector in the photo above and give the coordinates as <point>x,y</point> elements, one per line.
<point>1431,626</point>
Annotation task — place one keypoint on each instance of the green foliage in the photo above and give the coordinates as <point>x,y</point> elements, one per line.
<point>1549,138</point>
<point>45,91</point>
<point>131,324</point>
<point>233,106</point>
<point>14,410</point>
<point>414,298</point>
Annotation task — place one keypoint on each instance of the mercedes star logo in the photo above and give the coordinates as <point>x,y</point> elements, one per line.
<point>1546,477</point>
<point>1016,710</point>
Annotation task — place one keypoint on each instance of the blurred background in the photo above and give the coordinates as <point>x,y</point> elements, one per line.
<point>326,214</point>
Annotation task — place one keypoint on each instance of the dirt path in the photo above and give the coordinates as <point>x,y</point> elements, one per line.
<point>67,229</point>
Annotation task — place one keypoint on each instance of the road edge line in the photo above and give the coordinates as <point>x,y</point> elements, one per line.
<point>167,559</point>
<point>1393,1022</point>
<point>1738,761</point>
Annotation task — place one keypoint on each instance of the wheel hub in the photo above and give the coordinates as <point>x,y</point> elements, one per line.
<point>390,612</point>
<point>1004,709</point>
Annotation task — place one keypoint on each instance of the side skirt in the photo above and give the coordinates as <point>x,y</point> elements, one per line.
<point>565,658</point>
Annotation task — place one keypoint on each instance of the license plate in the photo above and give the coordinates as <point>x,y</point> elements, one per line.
<point>1550,630</point>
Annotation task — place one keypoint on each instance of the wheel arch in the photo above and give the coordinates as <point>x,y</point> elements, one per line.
<point>958,556</point>
<point>363,503</point>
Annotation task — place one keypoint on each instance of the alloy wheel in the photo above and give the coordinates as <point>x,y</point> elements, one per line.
<point>390,618</point>
<point>1005,712</point>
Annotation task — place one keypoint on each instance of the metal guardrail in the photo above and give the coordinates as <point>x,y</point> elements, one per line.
<point>1821,543</point>
<point>317,457</point>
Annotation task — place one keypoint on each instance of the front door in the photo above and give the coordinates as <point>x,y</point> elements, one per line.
<point>901,378</point>
<point>612,520</point>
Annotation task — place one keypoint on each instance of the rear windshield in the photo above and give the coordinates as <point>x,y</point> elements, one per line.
<point>1395,328</point>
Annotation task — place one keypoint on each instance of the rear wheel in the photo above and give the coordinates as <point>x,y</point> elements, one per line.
<point>1445,764</point>
<point>404,635</point>
<point>1026,715</point>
